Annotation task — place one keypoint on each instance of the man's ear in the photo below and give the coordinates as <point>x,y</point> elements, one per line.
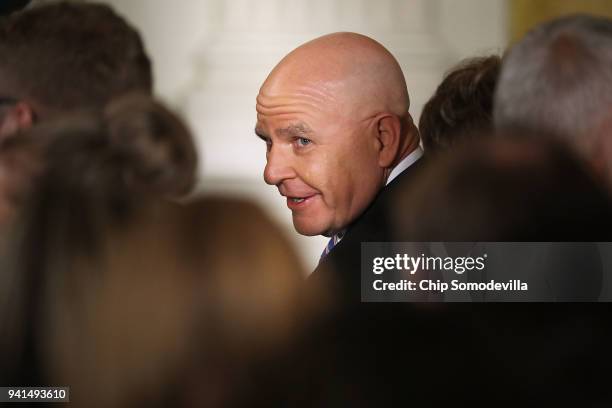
<point>16,118</point>
<point>389,138</point>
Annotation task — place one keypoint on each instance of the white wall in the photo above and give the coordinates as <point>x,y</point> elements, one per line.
<point>210,57</point>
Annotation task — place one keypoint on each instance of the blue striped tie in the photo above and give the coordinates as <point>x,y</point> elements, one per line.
<point>333,241</point>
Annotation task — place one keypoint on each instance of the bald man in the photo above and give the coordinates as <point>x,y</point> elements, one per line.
<point>334,116</point>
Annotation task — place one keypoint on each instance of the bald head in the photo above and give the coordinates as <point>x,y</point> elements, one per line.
<point>334,116</point>
<point>352,70</point>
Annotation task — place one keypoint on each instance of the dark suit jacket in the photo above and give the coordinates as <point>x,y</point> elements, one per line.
<point>341,267</point>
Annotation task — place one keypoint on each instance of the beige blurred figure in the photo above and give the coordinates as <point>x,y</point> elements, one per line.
<point>135,299</point>
<point>175,308</point>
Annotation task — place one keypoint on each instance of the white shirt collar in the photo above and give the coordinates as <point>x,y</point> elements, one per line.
<point>406,162</point>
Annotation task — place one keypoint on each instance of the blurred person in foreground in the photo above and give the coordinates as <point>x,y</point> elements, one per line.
<point>462,106</point>
<point>339,141</point>
<point>557,80</point>
<point>129,299</point>
<point>56,59</point>
<point>517,188</point>
<point>64,56</point>
<point>504,188</point>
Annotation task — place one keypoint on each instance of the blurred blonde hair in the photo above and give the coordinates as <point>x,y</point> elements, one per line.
<point>134,299</point>
<point>169,296</point>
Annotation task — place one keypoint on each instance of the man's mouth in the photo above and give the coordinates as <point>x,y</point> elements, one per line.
<point>297,203</point>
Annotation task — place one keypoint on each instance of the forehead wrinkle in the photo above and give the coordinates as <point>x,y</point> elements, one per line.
<point>297,98</point>
<point>313,92</point>
<point>320,91</point>
<point>287,105</point>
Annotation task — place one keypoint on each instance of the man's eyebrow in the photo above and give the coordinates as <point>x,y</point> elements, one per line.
<point>296,130</point>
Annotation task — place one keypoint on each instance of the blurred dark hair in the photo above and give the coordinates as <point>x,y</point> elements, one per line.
<point>87,172</point>
<point>64,56</point>
<point>173,305</point>
<point>134,144</point>
<point>461,105</point>
<point>504,189</point>
<point>99,167</point>
<point>521,188</point>
<point>114,287</point>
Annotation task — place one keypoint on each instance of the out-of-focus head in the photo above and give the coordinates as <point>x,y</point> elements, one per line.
<point>144,293</point>
<point>462,105</point>
<point>558,80</point>
<point>506,188</point>
<point>67,180</point>
<point>159,143</point>
<point>134,144</point>
<point>59,57</point>
<point>161,306</point>
<point>92,149</point>
<point>334,116</point>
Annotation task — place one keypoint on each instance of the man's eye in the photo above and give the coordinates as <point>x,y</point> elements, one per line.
<point>302,141</point>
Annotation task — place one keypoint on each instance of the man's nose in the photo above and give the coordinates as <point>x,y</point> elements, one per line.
<point>278,168</point>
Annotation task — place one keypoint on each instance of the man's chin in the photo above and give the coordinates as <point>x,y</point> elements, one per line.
<point>309,229</point>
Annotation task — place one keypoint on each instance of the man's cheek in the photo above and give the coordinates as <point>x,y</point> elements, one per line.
<point>316,176</point>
